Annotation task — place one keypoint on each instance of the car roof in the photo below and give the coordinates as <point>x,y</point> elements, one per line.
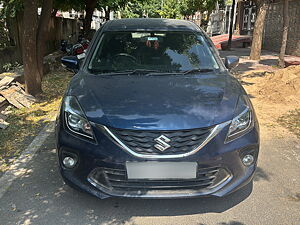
<point>150,24</point>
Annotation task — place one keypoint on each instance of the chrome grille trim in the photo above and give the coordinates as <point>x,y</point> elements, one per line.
<point>208,181</point>
<point>216,130</point>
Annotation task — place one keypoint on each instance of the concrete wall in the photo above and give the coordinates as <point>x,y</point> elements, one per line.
<point>274,28</point>
<point>59,28</point>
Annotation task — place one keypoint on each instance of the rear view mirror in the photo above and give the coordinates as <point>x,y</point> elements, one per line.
<point>231,62</point>
<point>71,63</point>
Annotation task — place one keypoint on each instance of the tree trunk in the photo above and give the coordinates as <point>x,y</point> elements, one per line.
<point>284,34</point>
<point>258,29</point>
<point>90,6</point>
<point>54,12</point>
<point>42,32</point>
<point>231,25</point>
<point>107,12</point>
<point>19,32</point>
<point>31,72</point>
<point>200,19</point>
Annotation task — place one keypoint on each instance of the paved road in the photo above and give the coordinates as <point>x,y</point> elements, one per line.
<point>41,197</point>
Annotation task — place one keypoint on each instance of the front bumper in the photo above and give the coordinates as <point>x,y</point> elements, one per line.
<point>94,158</point>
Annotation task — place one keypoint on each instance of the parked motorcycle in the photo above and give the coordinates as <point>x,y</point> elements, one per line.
<point>84,42</point>
<point>74,49</point>
<point>74,52</point>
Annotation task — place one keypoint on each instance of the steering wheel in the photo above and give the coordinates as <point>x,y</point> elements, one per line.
<point>125,55</point>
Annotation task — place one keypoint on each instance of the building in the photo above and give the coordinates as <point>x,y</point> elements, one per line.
<point>98,17</point>
<point>243,19</point>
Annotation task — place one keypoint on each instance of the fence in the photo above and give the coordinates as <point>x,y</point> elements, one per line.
<point>59,28</point>
<point>274,28</point>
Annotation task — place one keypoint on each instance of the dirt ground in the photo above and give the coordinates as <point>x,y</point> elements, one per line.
<point>276,98</point>
<point>274,92</point>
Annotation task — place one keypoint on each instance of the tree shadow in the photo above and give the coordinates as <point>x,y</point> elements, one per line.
<point>260,174</point>
<point>245,67</point>
<point>269,62</point>
<point>245,83</point>
<point>251,96</point>
<point>255,74</point>
<point>40,196</point>
<point>231,223</point>
<point>240,52</point>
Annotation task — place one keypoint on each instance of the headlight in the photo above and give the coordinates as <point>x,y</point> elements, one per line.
<point>75,118</point>
<point>243,122</point>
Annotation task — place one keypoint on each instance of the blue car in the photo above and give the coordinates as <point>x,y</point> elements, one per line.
<point>153,112</point>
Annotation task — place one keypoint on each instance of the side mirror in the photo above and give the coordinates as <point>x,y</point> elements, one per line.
<point>231,62</point>
<point>71,63</point>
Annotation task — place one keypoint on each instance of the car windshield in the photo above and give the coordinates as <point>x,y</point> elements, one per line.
<point>150,52</point>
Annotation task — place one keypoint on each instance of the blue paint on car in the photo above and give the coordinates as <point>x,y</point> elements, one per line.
<point>151,93</point>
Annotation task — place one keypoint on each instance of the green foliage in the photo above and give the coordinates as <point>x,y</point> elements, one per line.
<point>10,66</point>
<point>10,8</point>
<point>131,10</point>
<point>4,39</point>
<point>138,9</point>
<point>66,5</point>
<point>189,7</point>
<point>7,67</point>
<point>112,5</point>
<point>168,8</point>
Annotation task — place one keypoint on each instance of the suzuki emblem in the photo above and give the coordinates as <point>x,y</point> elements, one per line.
<point>162,143</point>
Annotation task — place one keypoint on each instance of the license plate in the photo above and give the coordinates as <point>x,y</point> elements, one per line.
<point>161,170</point>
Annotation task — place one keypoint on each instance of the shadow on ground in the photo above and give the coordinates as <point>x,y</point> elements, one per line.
<point>260,174</point>
<point>40,195</point>
<point>267,62</point>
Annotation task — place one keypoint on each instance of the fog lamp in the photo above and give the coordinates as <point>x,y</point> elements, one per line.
<point>69,162</point>
<point>248,160</point>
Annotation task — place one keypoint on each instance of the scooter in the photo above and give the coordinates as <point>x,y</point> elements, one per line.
<point>76,49</point>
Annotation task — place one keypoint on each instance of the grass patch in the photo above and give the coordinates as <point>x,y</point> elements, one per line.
<point>291,121</point>
<point>25,123</point>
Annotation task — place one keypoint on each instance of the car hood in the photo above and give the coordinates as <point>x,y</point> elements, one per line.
<point>158,102</point>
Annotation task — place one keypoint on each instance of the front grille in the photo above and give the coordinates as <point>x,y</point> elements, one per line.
<point>115,182</point>
<point>143,142</point>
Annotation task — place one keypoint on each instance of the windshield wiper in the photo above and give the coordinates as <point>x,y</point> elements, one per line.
<point>141,71</point>
<point>125,72</point>
<point>198,70</point>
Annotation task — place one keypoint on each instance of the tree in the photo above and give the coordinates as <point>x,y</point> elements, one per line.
<point>231,25</point>
<point>35,30</point>
<point>140,8</point>
<point>90,6</point>
<point>66,5</point>
<point>110,5</point>
<point>167,8</point>
<point>170,9</point>
<point>31,71</point>
<point>284,34</point>
<point>262,6</point>
<point>42,30</point>
<point>34,37</point>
